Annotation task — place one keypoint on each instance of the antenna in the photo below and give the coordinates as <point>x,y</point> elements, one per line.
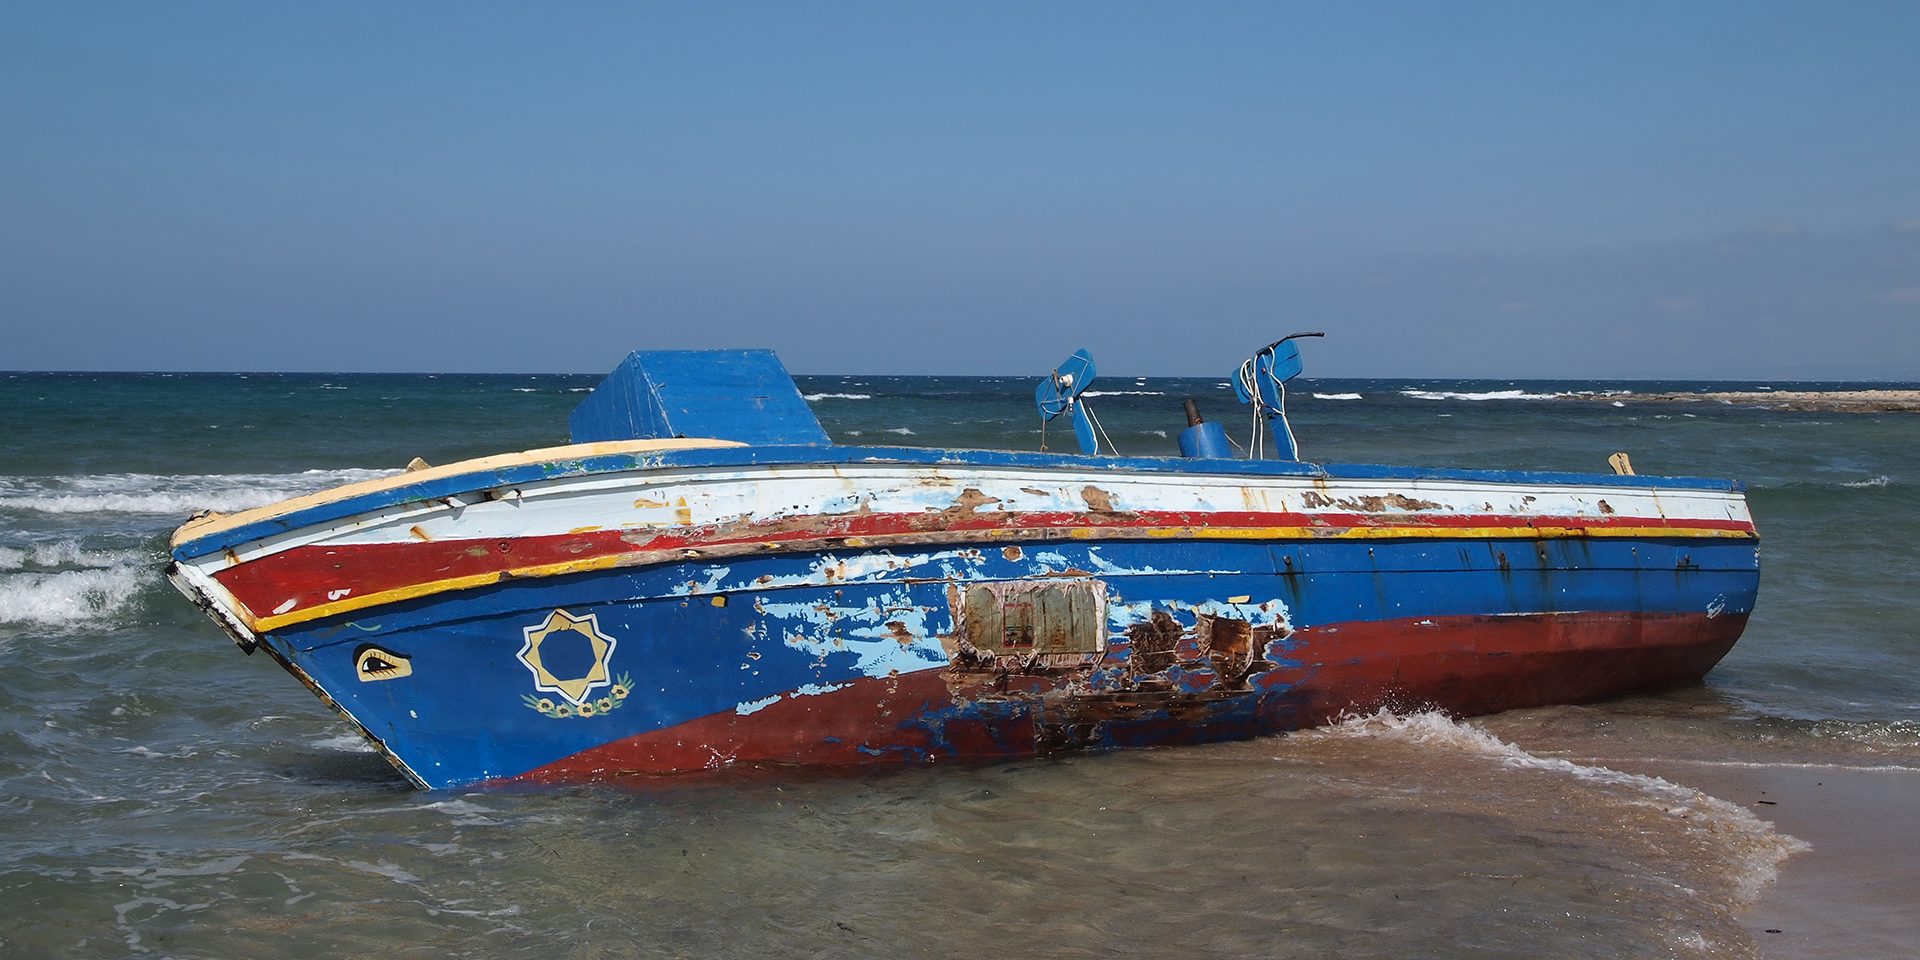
<point>1060,393</point>
<point>1262,381</point>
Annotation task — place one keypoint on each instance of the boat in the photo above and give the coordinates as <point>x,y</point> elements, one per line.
<point>703,578</point>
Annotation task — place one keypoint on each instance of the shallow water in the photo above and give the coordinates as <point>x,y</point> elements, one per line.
<point>165,795</point>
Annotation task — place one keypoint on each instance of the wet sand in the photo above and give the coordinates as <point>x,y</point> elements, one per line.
<point>1854,894</point>
<point>1843,401</point>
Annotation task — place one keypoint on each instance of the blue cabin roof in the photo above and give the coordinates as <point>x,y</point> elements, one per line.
<point>743,395</point>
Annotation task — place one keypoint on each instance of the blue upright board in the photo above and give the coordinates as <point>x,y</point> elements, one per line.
<point>744,395</point>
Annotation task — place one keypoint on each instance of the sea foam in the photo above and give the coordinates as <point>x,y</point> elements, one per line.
<point>149,493</point>
<point>1756,849</point>
<point>72,598</point>
<point>1489,395</point>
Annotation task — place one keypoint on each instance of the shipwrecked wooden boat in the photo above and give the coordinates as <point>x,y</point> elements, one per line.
<point>704,578</point>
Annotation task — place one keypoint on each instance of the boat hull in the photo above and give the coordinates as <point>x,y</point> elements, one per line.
<point>866,611</point>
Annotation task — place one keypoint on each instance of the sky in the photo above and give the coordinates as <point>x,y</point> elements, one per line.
<point>1519,190</point>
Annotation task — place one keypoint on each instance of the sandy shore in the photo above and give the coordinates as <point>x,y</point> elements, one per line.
<point>1845,401</point>
<point>1854,894</point>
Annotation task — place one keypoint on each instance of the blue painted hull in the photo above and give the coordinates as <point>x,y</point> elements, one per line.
<point>710,658</point>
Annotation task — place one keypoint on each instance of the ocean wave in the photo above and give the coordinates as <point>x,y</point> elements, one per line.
<point>1869,733</point>
<point>836,396</point>
<point>345,743</point>
<point>149,493</point>
<point>1490,395</point>
<point>1756,848</point>
<point>1338,396</point>
<point>1881,482</point>
<point>1124,393</point>
<point>73,597</point>
<point>904,431</point>
<point>64,553</point>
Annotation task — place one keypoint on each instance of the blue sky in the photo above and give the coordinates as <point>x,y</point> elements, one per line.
<point>1498,190</point>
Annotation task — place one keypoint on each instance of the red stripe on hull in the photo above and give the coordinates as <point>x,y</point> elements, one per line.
<point>1463,665</point>
<point>313,575</point>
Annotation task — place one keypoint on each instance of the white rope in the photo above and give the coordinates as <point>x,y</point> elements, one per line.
<point>1097,425</point>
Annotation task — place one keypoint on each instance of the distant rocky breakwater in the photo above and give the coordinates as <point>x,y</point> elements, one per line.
<point>1843,401</point>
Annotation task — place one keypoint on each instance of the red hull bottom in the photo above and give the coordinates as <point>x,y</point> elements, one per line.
<point>1462,665</point>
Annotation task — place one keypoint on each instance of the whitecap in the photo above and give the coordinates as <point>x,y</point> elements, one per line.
<point>1337,396</point>
<point>1489,395</point>
<point>64,553</point>
<point>149,493</point>
<point>1124,393</point>
<point>836,396</point>
<point>901,430</point>
<point>72,597</point>
<point>1879,481</point>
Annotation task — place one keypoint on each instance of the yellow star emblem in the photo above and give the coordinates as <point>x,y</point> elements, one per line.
<point>568,655</point>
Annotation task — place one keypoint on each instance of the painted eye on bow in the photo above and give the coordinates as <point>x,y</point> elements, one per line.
<point>373,663</point>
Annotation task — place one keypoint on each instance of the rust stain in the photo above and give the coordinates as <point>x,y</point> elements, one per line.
<point>900,632</point>
<point>963,508</point>
<point>419,533</point>
<point>1011,553</point>
<point>1098,500</point>
<point>1604,508</point>
<point>972,499</point>
<point>1037,493</point>
<point>1392,501</point>
<point>1152,645</point>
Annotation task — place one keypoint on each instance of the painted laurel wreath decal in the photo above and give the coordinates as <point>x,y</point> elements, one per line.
<point>562,710</point>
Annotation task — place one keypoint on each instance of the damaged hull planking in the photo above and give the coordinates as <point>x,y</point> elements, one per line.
<point>590,612</point>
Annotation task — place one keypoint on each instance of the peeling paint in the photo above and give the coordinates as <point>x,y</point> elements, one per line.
<point>826,630</point>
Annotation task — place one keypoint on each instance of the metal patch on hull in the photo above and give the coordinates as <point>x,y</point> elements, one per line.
<point>1025,617</point>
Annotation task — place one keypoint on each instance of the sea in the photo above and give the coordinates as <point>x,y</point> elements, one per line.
<point>164,795</point>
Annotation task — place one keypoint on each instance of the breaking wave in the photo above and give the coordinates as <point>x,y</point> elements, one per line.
<point>1757,850</point>
<point>180,495</point>
<point>73,597</point>
<point>1124,393</point>
<point>1879,481</point>
<point>64,553</point>
<point>836,396</point>
<point>1489,395</point>
<point>1337,396</point>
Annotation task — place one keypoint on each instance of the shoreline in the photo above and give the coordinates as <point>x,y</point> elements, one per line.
<point>1850,896</point>
<point>1837,401</point>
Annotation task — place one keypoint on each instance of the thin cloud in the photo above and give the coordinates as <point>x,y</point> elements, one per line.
<point>1777,229</point>
<point>1907,226</point>
<point>1902,295</point>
